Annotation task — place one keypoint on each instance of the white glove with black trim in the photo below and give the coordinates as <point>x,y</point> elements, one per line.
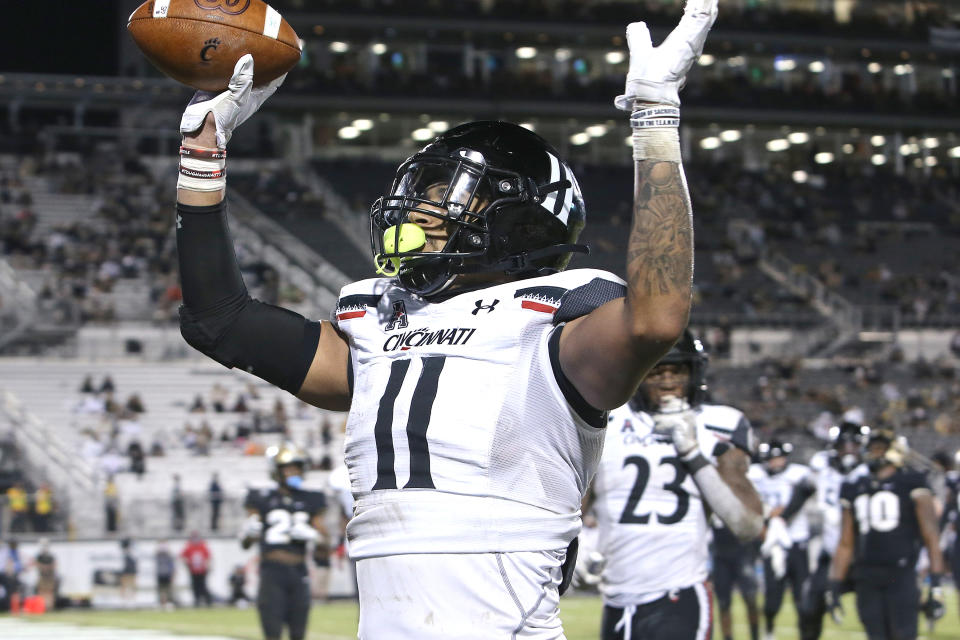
<point>252,527</point>
<point>657,74</point>
<point>678,420</point>
<point>232,107</point>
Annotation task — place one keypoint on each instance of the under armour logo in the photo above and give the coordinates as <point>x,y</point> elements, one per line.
<point>179,222</point>
<point>488,307</point>
<point>399,318</point>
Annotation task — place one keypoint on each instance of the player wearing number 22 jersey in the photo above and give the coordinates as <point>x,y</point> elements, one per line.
<point>651,513</point>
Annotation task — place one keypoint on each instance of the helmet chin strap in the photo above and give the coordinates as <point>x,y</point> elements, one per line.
<point>520,262</point>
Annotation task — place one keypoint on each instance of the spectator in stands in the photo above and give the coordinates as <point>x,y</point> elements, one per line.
<point>177,505</point>
<point>204,436</point>
<point>240,406</point>
<point>215,493</point>
<point>138,463</point>
<point>135,404</point>
<point>111,503</point>
<point>42,508</point>
<point>18,503</point>
<point>198,406</point>
<point>166,567</point>
<point>128,574</point>
<point>87,386</point>
<point>107,385</point>
<point>47,581</point>
<point>218,398</point>
<point>196,555</point>
<point>10,569</point>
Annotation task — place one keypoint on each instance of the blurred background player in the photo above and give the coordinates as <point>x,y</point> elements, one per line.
<point>951,518</point>
<point>840,461</point>
<point>888,515</point>
<point>784,487</point>
<point>669,458</point>
<point>284,520</point>
<point>734,565</point>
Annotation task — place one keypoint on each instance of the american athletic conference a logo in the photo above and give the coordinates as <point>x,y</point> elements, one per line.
<point>230,7</point>
<point>399,318</point>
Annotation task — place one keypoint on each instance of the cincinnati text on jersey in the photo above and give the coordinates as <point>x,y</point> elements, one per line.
<point>426,337</point>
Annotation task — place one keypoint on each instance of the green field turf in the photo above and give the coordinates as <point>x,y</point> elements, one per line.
<point>337,621</point>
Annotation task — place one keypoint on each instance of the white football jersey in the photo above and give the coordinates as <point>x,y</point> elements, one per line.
<point>460,437</point>
<point>651,519</point>
<point>776,490</point>
<point>829,479</point>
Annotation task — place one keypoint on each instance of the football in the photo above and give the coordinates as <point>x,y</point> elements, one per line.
<point>197,42</point>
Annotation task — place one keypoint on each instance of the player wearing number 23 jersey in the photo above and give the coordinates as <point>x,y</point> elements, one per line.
<point>652,515</point>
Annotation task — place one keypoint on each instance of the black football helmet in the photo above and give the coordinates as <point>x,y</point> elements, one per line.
<point>688,350</point>
<point>511,205</point>
<point>846,444</point>
<point>767,451</point>
<point>885,448</point>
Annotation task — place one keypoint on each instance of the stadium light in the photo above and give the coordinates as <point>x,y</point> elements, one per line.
<point>730,135</point>
<point>800,176</point>
<point>954,153</point>
<point>525,53</point>
<point>848,148</point>
<point>710,143</point>
<point>706,60</point>
<point>778,144</point>
<point>874,67</point>
<point>878,141</point>
<point>562,54</point>
<point>348,133</point>
<point>903,69</point>
<point>438,126</point>
<point>816,66</point>
<point>422,135</point>
<point>905,149</point>
<point>736,61</point>
<point>615,57</point>
<point>596,130</point>
<point>931,143</point>
<point>824,157</point>
<point>629,142</point>
<point>947,73</point>
<point>363,124</point>
<point>580,138</point>
<point>378,48</point>
<point>784,64</point>
<point>799,137</point>
<point>930,161</point>
<point>878,159</point>
<point>339,47</point>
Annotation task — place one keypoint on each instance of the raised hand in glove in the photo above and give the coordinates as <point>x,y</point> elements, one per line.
<point>679,421</point>
<point>252,527</point>
<point>232,107</point>
<point>832,597</point>
<point>657,74</point>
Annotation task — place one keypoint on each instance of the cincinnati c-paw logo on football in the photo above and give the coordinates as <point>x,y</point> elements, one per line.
<point>231,7</point>
<point>426,337</point>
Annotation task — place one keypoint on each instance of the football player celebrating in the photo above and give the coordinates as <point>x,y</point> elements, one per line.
<point>284,521</point>
<point>888,514</point>
<point>832,466</point>
<point>477,373</point>
<point>668,460</point>
<point>785,488</point>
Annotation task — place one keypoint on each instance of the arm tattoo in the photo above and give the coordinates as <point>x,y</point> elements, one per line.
<point>660,251</point>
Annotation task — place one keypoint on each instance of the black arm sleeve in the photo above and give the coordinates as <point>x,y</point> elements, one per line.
<point>801,493</point>
<point>220,319</point>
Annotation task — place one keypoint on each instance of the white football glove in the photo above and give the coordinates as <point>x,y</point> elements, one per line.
<point>775,545</point>
<point>252,527</point>
<point>657,74</point>
<point>303,532</point>
<point>232,107</point>
<point>678,420</point>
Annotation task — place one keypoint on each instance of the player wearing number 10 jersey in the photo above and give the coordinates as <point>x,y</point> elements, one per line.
<point>284,521</point>
<point>652,505</point>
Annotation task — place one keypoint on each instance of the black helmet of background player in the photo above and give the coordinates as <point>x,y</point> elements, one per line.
<point>884,449</point>
<point>506,200</point>
<point>287,464</point>
<point>689,355</point>
<point>847,441</point>
<point>773,455</point>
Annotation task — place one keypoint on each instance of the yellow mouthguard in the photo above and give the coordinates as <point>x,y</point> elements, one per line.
<point>411,238</point>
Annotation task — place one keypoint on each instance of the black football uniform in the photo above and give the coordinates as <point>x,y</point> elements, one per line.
<point>887,546</point>
<point>734,564</point>
<point>284,594</point>
<point>951,513</point>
